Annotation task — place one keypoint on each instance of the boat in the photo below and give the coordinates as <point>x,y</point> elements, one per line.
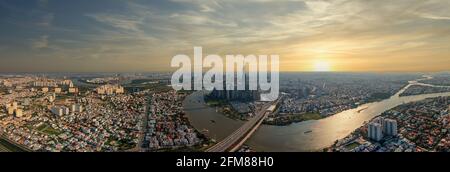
<point>309,131</point>
<point>359,111</point>
<point>212,121</point>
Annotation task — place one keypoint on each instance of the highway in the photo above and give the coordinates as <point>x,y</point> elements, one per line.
<point>3,149</point>
<point>7,145</point>
<point>238,137</point>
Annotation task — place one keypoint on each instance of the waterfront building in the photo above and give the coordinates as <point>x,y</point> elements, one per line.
<point>375,131</point>
<point>390,127</point>
<point>235,94</point>
<point>380,127</point>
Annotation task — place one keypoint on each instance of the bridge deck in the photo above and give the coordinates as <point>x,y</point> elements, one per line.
<point>239,136</point>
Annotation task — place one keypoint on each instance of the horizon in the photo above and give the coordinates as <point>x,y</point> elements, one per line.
<point>281,72</point>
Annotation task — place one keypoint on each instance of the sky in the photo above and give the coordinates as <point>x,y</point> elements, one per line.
<point>143,36</point>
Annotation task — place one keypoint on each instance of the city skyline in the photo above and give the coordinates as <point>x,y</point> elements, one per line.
<point>141,36</point>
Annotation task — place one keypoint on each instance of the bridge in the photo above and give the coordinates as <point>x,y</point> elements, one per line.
<point>234,141</point>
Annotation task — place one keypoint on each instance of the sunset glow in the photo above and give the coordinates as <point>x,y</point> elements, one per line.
<point>322,66</point>
<point>132,36</point>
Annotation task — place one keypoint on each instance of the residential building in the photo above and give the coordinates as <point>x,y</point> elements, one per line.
<point>57,111</point>
<point>390,127</point>
<point>375,131</point>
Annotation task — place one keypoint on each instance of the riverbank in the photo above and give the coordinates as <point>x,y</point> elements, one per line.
<point>168,128</point>
<point>224,107</point>
<point>287,119</point>
<point>306,136</point>
<point>283,119</point>
<point>424,89</point>
<point>422,127</point>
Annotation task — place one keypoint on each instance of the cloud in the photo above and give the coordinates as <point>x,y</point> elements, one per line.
<point>413,44</point>
<point>139,33</point>
<point>40,43</point>
<point>433,17</point>
<point>318,6</point>
<point>46,20</point>
<point>200,20</point>
<point>205,8</point>
<point>290,28</point>
<point>124,22</point>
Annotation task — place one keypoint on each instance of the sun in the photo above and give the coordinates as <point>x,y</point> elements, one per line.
<point>322,66</point>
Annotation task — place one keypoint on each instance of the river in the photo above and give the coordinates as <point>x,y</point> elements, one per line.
<point>292,138</point>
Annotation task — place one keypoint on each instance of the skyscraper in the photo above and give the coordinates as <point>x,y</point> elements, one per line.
<point>375,131</point>
<point>235,94</point>
<point>390,127</point>
<point>380,127</point>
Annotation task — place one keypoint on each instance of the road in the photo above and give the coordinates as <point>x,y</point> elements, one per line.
<point>11,146</point>
<point>3,149</point>
<point>139,146</point>
<point>239,136</point>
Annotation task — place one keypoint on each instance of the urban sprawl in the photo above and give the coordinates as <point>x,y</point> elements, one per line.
<point>142,113</point>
